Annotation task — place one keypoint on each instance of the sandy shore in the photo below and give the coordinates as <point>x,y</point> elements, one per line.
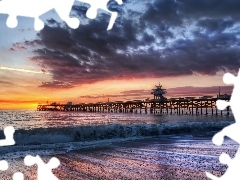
<point>153,158</point>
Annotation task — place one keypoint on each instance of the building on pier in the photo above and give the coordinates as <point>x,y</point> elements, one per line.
<point>158,93</point>
<point>223,96</point>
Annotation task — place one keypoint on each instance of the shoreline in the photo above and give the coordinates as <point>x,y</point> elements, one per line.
<point>172,157</point>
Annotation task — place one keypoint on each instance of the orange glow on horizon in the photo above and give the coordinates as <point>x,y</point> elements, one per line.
<point>27,94</point>
<point>18,106</point>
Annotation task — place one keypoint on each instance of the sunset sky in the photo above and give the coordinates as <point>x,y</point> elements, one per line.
<point>185,45</point>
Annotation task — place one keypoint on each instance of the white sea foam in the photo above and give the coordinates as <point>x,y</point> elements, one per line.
<point>59,140</point>
<point>90,133</point>
<point>46,133</point>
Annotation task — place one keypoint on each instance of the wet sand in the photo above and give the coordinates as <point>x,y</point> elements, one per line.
<point>146,159</point>
<point>153,158</point>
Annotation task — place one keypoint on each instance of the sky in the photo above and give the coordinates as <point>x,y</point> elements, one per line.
<point>184,45</point>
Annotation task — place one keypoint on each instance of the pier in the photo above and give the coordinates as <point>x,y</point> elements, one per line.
<point>159,105</point>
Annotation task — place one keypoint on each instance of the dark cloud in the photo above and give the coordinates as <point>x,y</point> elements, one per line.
<point>12,49</point>
<point>32,43</point>
<point>213,25</point>
<point>166,38</point>
<point>53,22</point>
<point>18,46</point>
<point>212,8</point>
<point>163,11</point>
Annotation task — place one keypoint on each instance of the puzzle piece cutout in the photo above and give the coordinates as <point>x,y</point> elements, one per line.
<point>232,172</point>
<point>101,4</point>
<point>8,141</point>
<point>8,132</point>
<point>44,170</point>
<point>18,176</point>
<point>231,131</point>
<point>3,165</point>
<point>234,101</point>
<point>36,8</point>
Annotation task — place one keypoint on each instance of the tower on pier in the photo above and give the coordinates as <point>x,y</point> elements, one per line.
<point>158,92</point>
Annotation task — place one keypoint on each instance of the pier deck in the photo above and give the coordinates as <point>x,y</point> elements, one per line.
<point>154,106</point>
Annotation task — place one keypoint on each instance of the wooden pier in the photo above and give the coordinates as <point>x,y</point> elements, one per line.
<point>171,106</point>
<point>159,105</point>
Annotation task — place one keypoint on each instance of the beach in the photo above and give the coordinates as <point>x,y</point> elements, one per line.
<point>129,148</point>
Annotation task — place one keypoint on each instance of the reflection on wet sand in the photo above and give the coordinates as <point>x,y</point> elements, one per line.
<point>155,158</point>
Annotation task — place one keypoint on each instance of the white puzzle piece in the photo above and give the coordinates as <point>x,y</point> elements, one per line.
<point>36,8</point>
<point>44,170</point>
<point>3,165</point>
<point>100,4</point>
<point>18,176</point>
<point>8,141</point>
<point>232,173</point>
<point>232,131</point>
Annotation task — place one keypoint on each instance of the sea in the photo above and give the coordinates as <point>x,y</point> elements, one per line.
<point>116,145</point>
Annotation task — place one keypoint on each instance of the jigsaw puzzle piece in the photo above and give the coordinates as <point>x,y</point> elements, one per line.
<point>101,4</point>
<point>232,173</point>
<point>234,101</point>
<point>12,21</point>
<point>36,8</point>
<point>224,159</point>
<point>231,131</point>
<point>18,176</point>
<point>112,20</point>
<point>229,78</point>
<point>5,8</point>
<point>38,24</point>
<point>8,133</point>
<point>218,139</point>
<point>3,165</point>
<point>63,8</point>
<point>44,170</point>
<point>211,176</point>
<point>221,104</point>
<point>26,8</point>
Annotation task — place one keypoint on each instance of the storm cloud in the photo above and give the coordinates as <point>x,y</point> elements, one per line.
<point>160,38</point>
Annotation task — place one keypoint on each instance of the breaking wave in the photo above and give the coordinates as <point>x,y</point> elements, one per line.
<point>50,141</point>
<point>103,132</point>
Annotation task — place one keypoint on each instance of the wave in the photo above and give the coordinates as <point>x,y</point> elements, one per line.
<point>102,132</point>
<point>51,141</point>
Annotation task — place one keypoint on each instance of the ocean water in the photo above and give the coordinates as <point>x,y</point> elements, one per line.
<point>116,145</point>
<point>53,119</point>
